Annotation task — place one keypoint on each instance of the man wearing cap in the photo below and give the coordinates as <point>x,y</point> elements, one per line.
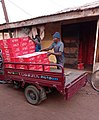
<point>58,47</point>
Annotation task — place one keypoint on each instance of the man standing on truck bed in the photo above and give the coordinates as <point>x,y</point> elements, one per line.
<point>58,47</point>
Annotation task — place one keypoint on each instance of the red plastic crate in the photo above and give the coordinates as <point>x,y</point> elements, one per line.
<point>4,45</point>
<point>1,43</point>
<point>14,40</point>
<point>39,67</point>
<point>29,59</point>
<point>19,59</point>
<point>8,59</point>
<point>31,43</point>
<point>81,66</point>
<point>24,52</point>
<point>31,51</point>
<point>32,67</point>
<point>24,39</point>
<point>47,68</point>
<point>11,54</point>
<point>11,46</point>
<point>31,46</point>
<point>23,44</point>
<point>45,55</point>
<point>11,50</point>
<point>10,43</point>
<point>9,66</point>
<point>11,40</point>
<point>24,48</point>
<point>21,67</point>
<point>37,57</point>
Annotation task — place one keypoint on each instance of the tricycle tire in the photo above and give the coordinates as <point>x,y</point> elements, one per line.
<point>95,81</point>
<point>32,94</point>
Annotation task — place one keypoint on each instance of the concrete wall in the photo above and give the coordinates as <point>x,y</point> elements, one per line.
<point>1,37</point>
<point>50,29</point>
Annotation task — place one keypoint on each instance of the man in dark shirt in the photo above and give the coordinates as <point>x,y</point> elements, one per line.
<point>58,47</point>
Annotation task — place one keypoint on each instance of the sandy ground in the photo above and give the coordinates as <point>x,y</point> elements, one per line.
<point>82,106</point>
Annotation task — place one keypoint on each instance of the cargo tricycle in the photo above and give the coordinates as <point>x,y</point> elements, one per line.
<point>37,83</point>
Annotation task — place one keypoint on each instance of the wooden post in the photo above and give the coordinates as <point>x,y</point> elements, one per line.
<point>6,16</point>
<point>3,35</point>
<point>96,44</point>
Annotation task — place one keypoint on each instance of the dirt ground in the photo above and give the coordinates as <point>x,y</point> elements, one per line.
<point>82,106</point>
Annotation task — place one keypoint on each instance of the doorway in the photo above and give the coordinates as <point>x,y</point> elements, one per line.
<point>79,42</point>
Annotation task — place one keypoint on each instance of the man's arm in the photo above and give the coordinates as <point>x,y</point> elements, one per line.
<point>49,48</point>
<point>56,54</point>
<point>45,49</point>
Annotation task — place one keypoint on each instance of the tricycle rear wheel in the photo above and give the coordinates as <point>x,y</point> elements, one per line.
<point>95,80</point>
<point>32,94</point>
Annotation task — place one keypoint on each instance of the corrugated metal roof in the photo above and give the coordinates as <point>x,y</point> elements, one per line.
<point>61,15</point>
<point>84,7</point>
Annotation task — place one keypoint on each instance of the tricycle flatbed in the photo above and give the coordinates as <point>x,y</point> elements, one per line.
<point>71,74</point>
<point>66,81</point>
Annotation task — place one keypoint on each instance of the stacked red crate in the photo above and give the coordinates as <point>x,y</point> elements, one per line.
<point>8,52</point>
<point>16,46</point>
<point>24,45</point>
<point>43,59</point>
<point>37,57</point>
<point>10,48</point>
<point>31,47</point>
<point>27,45</point>
<point>25,58</point>
<point>23,50</point>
